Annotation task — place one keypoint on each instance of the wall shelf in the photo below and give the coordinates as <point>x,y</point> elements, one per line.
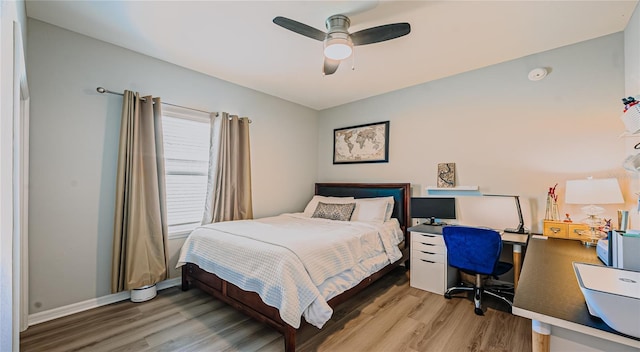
<point>453,191</point>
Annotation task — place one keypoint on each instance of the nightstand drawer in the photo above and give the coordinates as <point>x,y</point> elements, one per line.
<point>429,256</point>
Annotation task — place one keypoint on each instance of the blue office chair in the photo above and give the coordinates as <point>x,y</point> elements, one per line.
<point>476,251</point>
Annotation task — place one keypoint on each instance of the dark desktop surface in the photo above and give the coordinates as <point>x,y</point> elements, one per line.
<point>427,229</point>
<point>548,282</point>
<point>434,223</point>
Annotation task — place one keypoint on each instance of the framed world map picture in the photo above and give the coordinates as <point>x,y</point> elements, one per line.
<point>361,144</point>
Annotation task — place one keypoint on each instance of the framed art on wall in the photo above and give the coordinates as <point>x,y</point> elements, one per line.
<point>361,144</point>
<point>446,175</point>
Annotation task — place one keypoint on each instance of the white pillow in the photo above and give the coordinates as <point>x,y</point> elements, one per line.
<point>370,209</point>
<point>390,203</point>
<point>313,203</point>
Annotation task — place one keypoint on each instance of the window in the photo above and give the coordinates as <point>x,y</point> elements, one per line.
<point>186,136</point>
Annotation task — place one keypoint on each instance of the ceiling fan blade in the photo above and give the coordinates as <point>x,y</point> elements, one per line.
<point>330,66</point>
<point>380,33</point>
<point>300,28</point>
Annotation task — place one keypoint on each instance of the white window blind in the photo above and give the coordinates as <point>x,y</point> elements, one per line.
<point>186,149</point>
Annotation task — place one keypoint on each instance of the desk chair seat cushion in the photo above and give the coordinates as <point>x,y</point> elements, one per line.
<point>474,250</point>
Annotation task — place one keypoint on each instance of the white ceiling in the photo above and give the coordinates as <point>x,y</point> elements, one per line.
<point>237,41</point>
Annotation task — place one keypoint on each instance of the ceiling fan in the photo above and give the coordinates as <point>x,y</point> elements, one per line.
<point>338,42</point>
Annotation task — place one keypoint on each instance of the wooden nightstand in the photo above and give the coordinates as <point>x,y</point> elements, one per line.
<point>566,230</point>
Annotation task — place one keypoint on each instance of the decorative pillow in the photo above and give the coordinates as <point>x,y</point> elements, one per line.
<point>370,209</point>
<point>330,211</point>
<point>313,203</point>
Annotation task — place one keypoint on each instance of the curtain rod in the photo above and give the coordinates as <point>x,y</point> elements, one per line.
<point>103,90</point>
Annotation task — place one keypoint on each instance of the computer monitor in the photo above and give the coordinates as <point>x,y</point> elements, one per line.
<point>433,209</point>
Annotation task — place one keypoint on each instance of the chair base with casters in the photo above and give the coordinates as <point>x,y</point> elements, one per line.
<point>479,289</point>
<point>476,252</point>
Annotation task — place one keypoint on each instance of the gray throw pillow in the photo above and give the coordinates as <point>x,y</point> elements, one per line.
<point>331,211</point>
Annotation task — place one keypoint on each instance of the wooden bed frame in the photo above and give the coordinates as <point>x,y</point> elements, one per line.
<point>251,304</point>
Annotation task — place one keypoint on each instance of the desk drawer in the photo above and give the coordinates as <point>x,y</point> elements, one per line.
<point>426,275</point>
<point>429,256</point>
<point>427,238</point>
<point>556,229</point>
<point>574,231</point>
<point>428,247</point>
<point>559,229</point>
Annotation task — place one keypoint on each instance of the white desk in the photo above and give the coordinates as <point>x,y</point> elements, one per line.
<point>517,240</point>
<point>434,264</point>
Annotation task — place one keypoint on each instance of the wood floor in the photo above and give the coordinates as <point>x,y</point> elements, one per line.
<point>387,316</point>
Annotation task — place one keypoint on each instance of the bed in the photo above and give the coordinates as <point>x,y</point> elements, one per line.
<point>252,304</point>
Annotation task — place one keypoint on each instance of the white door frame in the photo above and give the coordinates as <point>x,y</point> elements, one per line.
<point>8,335</point>
<point>14,175</point>
<point>20,183</point>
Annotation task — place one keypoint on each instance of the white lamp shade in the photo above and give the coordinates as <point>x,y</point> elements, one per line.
<point>337,51</point>
<point>593,191</point>
<point>338,46</point>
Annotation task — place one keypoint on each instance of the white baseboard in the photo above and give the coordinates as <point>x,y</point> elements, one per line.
<point>60,312</point>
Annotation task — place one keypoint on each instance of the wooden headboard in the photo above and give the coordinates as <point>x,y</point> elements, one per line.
<point>401,193</point>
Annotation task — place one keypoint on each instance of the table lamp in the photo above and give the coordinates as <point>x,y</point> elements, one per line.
<point>593,191</point>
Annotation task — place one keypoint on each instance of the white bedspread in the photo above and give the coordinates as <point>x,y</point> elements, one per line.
<point>286,258</point>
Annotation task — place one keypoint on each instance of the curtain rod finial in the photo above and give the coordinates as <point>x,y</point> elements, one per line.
<point>101,90</point>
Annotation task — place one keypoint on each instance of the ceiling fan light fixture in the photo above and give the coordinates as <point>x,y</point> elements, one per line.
<point>338,46</point>
<point>338,42</point>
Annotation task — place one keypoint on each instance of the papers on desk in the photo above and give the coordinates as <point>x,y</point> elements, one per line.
<point>540,237</point>
<point>514,238</point>
<point>492,212</point>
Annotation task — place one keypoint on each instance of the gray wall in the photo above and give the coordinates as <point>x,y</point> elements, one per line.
<point>506,134</point>
<point>73,153</point>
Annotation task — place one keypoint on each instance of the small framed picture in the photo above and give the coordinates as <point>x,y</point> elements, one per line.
<point>446,175</point>
<point>361,144</point>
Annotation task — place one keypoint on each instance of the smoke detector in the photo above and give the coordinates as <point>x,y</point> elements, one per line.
<point>537,74</point>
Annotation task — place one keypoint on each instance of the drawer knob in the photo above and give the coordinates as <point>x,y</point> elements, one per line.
<point>555,230</point>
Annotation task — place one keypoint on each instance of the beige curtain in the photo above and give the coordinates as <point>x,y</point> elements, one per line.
<point>140,255</point>
<point>229,184</point>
